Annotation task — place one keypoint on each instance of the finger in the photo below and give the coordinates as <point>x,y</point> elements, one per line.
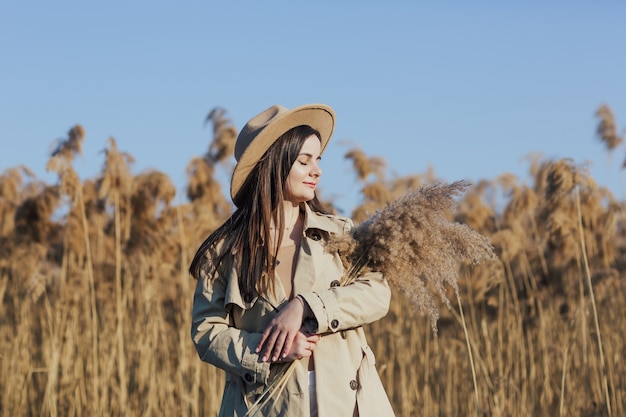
<point>278,346</point>
<point>269,346</point>
<point>264,337</point>
<point>313,337</point>
<point>287,346</point>
<point>305,351</point>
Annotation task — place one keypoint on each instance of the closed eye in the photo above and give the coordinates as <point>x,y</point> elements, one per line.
<point>307,158</point>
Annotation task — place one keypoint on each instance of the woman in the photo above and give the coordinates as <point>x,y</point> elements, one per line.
<point>268,292</point>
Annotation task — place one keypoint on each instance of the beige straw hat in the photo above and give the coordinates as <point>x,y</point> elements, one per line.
<point>266,127</point>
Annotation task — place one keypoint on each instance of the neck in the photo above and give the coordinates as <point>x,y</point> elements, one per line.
<point>292,227</point>
<point>292,214</point>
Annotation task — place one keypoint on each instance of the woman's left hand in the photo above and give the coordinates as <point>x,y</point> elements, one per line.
<point>280,333</point>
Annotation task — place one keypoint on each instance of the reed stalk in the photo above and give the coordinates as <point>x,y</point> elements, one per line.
<point>593,302</point>
<point>471,356</point>
<point>563,375</point>
<point>95,327</point>
<point>119,303</point>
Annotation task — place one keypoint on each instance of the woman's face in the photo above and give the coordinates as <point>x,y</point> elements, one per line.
<point>305,172</point>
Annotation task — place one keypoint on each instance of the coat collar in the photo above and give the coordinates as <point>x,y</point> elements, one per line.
<point>325,222</point>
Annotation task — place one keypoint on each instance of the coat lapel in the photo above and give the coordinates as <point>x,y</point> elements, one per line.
<point>233,294</point>
<point>317,229</point>
<point>304,279</point>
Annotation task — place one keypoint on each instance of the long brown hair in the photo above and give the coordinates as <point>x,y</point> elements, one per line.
<point>246,234</point>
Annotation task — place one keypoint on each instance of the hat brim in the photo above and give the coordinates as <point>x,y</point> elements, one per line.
<point>319,116</point>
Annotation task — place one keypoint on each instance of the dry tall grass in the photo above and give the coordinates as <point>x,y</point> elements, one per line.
<point>95,304</point>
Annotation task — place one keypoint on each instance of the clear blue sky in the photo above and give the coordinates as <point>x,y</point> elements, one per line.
<point>470,90</point>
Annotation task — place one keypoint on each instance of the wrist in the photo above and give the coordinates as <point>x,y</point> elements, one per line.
<point>306,309</point>
<point>302,303</point>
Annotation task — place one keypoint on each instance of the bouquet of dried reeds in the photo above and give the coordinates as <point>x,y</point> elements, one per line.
<point>416,246</point>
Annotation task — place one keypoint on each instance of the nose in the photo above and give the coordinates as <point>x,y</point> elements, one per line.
<point>317,171</point>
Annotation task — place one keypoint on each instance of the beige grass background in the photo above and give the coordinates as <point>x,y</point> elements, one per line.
<point>95,295</point>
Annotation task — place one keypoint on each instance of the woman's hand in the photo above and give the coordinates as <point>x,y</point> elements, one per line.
<point>284,333</point>
<point>303,346</point>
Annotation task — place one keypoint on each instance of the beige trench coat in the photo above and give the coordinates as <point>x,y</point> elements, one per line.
<point>226,330</point>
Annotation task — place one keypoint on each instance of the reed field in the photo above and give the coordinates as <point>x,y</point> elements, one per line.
<point>96,298</point>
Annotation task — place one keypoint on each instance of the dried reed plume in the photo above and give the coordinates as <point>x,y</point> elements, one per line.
<point>116,175</point>
<point>61,159</point>
<point>209,206</point>
<point>606,130</point>
<point>365,166</point>
<point>562,177</point>
<point>378,192</point>
<point>224,135</point>
<point>415,245</point>
<point>11,185</point>
<point>65,149</point>
<point>153,191</point>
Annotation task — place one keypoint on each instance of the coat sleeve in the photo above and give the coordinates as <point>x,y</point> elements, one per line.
<point>217,341</point>
<point>340,308</point>
<point>345,307</point>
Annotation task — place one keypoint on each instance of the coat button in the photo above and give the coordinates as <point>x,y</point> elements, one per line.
<point>247,298</point>
<point>248,377</point>
<point>335,283</point>
<point>354,385</point>
<point>334,324</point>
<point>315,236</point>
<point>343,334</point>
